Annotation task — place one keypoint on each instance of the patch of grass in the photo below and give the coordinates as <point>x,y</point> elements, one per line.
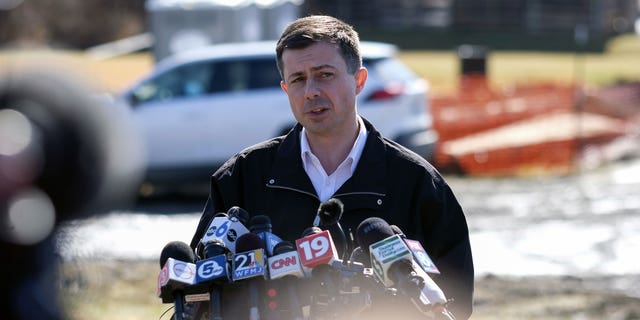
<point>111,290</point>
<point>624,44</point>
<point>442,69</point>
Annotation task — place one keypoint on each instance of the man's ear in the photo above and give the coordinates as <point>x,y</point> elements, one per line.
<point>283,86</point>
<point>361,78</point>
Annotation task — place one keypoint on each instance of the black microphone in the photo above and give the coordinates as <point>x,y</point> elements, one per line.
<point>329,212</point>
<point>248,242</point>
<point>372,230</point>
<point>285,265</point>
<point>328,217</point>
<point>424,262</point>
<point>358,255</point>
<point>249,263</point>
<point>393,264</point>
<point>213,271</point>
<point>310,231</point>
<point>177,250</point>
<point>317,254</point>
<point>177,273</point>
<point>261,226</point>
<point>420,255</point>
<point>241,214</point>
<point>397,231</point>
<point>224,227</point>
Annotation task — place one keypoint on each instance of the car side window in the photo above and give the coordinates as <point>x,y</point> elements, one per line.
<point>185,81</point>
<point>209,77</point>
<point>240,75</point>
<point>263,74</point>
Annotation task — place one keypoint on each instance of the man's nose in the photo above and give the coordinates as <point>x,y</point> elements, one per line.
<point>311,90</point>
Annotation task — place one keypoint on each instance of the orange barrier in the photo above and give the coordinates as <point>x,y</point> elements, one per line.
<point>537,129</point>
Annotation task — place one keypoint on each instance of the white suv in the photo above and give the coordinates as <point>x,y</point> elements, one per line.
<point>198,108</point>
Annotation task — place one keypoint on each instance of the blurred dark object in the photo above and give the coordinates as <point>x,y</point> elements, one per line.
<point>411,24</point>
<point>473,68</point>
<point>65,153</point>
<point>68,23</point>
<point>473,59</point>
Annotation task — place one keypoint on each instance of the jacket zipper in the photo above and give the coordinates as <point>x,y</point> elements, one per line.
<point>335,195</point>
<point>293,189</point>
<point>360,192</point>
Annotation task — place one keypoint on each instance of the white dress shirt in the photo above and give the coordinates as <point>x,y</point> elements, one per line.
<point>327,185</point>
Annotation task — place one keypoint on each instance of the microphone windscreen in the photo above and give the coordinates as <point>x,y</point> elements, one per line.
<point>358,255</point>
<point>310,230</point>
<point>241,214</point>
<point>248,242</point>
<point>260,223</point>
<point>372,230</point>
<point>330,211</point>
<point>282,247</point>
<point>403,267</point>
<point>214,247</point>
<point>177,250</point>
<point>397,230</point>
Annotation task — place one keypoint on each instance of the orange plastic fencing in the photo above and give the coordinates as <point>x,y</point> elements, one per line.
<point>536,129</point>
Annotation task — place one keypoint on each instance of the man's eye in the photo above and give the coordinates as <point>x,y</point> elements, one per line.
<point>326,74</point>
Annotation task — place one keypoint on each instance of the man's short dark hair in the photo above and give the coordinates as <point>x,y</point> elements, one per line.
<point>313,29</point>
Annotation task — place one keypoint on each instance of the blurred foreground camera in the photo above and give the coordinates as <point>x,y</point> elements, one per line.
<point>66,152</point>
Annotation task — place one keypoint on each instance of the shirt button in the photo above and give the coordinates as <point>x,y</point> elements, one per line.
<point>379,202</point>
<point>272,181</point>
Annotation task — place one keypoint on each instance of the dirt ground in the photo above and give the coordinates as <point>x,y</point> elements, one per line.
<point>557,298</point>
<point>126,290</point>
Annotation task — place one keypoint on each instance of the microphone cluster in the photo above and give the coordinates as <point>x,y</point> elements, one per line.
<point>305,279</point>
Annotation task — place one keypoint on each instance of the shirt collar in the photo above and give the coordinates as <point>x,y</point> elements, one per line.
<point>354,154</point>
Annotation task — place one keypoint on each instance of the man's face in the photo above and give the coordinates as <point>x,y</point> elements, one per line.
<point>321,92</point>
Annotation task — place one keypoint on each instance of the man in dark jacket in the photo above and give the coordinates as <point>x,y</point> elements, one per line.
<point>334,153</point>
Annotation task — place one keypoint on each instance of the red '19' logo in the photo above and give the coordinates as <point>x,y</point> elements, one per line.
<point>315,249</point>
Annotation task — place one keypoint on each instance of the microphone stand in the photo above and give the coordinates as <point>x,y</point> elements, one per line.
<point>215,309</point>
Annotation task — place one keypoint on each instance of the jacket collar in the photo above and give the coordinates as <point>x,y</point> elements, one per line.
<point>368,177</point>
